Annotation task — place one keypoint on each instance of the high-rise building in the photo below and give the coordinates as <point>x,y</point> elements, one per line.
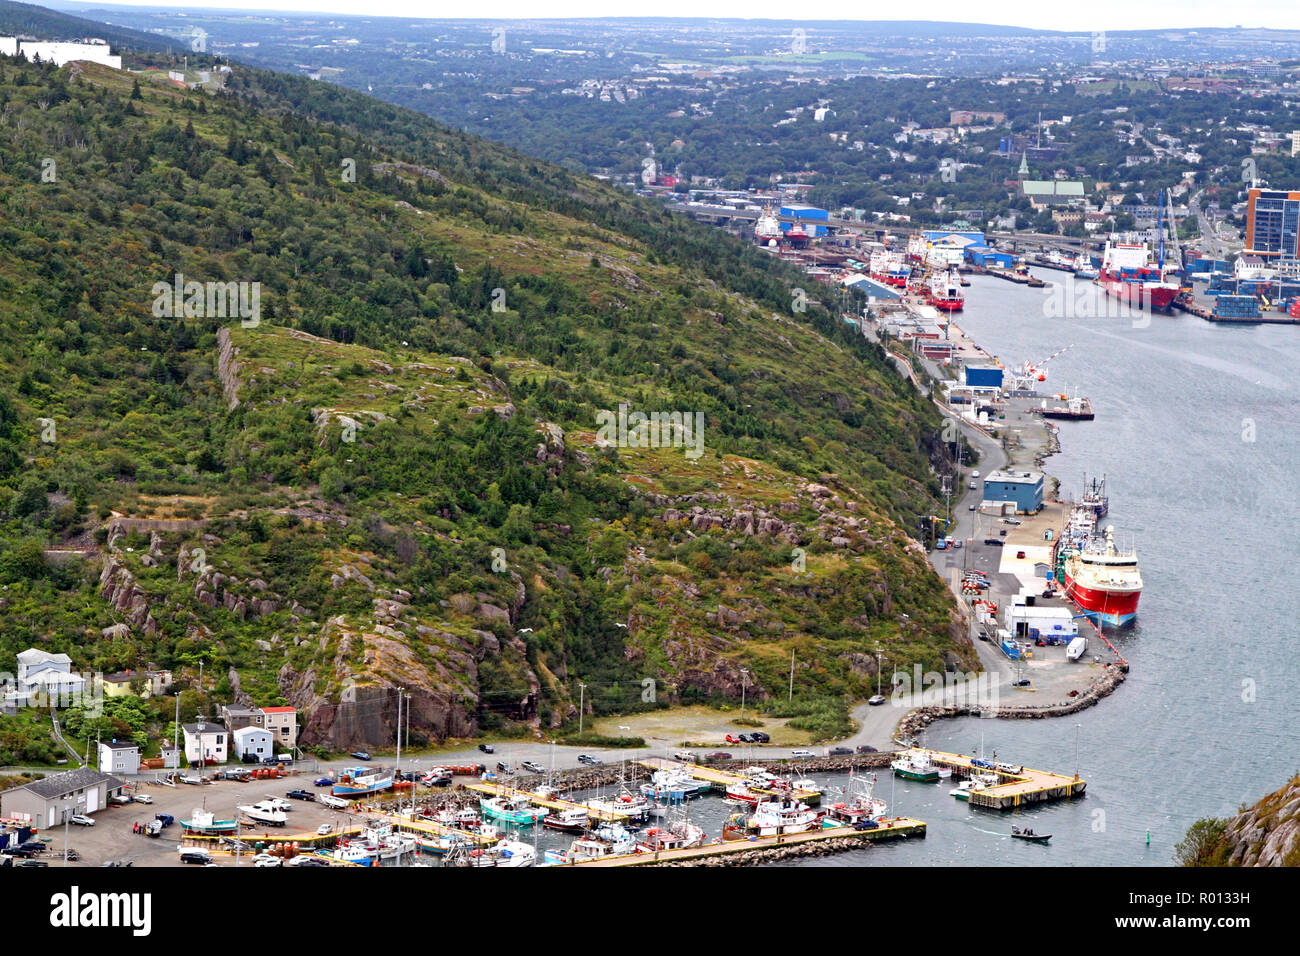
<point>1273,223</point>
<point>1295,142</point>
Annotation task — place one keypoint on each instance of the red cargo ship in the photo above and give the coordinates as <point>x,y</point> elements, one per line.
<point>1128,273</point>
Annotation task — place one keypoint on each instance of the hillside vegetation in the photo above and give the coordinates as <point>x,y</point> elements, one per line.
<point>391,473</point>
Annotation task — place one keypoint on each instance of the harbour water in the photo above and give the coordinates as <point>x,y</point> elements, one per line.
<point>1198,433</point>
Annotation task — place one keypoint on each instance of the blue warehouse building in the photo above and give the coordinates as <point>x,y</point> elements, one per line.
<point>1023,488</point>
<point>983,376</point>
<point>984,257</point>
<point>810,217</point>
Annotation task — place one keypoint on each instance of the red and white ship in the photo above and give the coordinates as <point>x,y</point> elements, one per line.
<point>1103,580</point>
<point>1131,274</point>
<point>891,268</point>
<point>945,292</point>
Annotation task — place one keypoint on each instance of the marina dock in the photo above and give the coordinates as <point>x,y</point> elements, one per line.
<point>890,829</point>
<point>721,779</point>
<point>551,803</point>
<point>1016,789</point>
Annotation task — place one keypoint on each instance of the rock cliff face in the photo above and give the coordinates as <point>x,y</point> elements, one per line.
<point>1267,834</point>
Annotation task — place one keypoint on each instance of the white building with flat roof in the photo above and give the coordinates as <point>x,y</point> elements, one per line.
<point>60,52</point>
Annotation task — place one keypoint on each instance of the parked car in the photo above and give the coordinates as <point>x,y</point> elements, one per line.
<point>975,473</point>
<point>166,819</point>
<point>1011,521</point>
<point>322,782</point>
<point>81,820</point>
<point>301,795</point>
<point>747,739</point>
<point>1020,555</point>
<point>875,700</point>
<point>504,768</point>
<point>732,739</point>
<point>360,754</point>
<point>325,829</point>
<point>34,845</point>
<point>839,752</point>
<point>119,800</point>
<point>803,754</point>
<point>143,798</point>
<point>867,824</point>
<point>684,755</point>
<point>718,755</point>
<point>311,861</point>
<point>200,859</point>
<point>760,737</point>
<point>867,749</point>
<point>22,852</point>
<point>265,861</point>
<point>31,863</point>
<point>532,766</point>
<point>970,508</point>
<point>957,543</point>
<point>972,485</point>
<point>487,748</point>
<point>589,760</point>
<point>993,541</point>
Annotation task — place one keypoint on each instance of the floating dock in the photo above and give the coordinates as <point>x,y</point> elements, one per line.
<point>1016,789</point>
<point>551,803</point>
<point>723,778</point>
<point>891,829</point>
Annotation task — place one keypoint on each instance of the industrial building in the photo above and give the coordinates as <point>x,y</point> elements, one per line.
<point>47,801</point>
<point>1024,489</point>
<point>814,221</point>
<point>984,257</point>
<point>988,377</point>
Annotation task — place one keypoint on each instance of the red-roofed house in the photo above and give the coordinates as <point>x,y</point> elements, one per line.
<point>282,722</point>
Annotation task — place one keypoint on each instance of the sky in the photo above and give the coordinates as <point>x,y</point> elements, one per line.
<point>1081,16</point>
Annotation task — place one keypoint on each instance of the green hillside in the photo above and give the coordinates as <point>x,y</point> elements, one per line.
<point>390,474</point>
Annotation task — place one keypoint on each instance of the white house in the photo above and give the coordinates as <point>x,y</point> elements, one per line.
<point>48,678</point>
<point>205,742</point>
<point>119,757</point>
<point>253,743</point>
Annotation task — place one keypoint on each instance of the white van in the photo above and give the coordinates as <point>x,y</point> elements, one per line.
<point>802,754</point>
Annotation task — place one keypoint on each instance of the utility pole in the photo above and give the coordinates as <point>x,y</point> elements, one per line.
<point>790,696</point>
<point>744,675</point>
<point>582,699</point>
<point>399,733</point>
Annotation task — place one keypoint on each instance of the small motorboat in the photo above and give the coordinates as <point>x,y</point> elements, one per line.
<point>1026,834</point>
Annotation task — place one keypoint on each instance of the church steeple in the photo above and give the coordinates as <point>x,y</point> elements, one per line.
<point>1024,164</point>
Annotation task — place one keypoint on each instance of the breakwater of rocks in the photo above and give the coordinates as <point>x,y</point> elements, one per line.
<point>911,726</point>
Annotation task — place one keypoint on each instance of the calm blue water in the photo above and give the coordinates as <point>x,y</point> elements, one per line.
<point>1208,717</point>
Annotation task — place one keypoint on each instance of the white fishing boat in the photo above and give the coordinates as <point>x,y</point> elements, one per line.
<point>511,853</point>
<point>265,813</point>
<point>773,817</point>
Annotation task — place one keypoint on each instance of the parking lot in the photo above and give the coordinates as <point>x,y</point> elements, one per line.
<point>111,838</point>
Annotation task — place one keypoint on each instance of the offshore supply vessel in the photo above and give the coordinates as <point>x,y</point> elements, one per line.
<point>1103,580</point>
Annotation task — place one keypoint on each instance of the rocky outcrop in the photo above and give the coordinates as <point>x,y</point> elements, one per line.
<point>1267,834</point>
<point>228,368</point>
<point>117,586</point>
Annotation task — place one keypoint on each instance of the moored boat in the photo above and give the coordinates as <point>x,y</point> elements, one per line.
<point>916,765</point>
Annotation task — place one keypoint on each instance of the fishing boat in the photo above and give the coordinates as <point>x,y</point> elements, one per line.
<point>362,781</point>
<point>739,792</point>
<point>334,803</point>
<point>611,839</point>
<point>1026,834</point>
<point>204,823</point>
<point>974,783</point>
<point>673,836</point>
<point>506,853</point>
<point>633,807</point>
<point>568,820</point>
<point>671,786</point>
<point>773,817</point>
<point>916,765</point>
<point>859,803</point>
<point>264,812</point>
<point>513,809</point>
